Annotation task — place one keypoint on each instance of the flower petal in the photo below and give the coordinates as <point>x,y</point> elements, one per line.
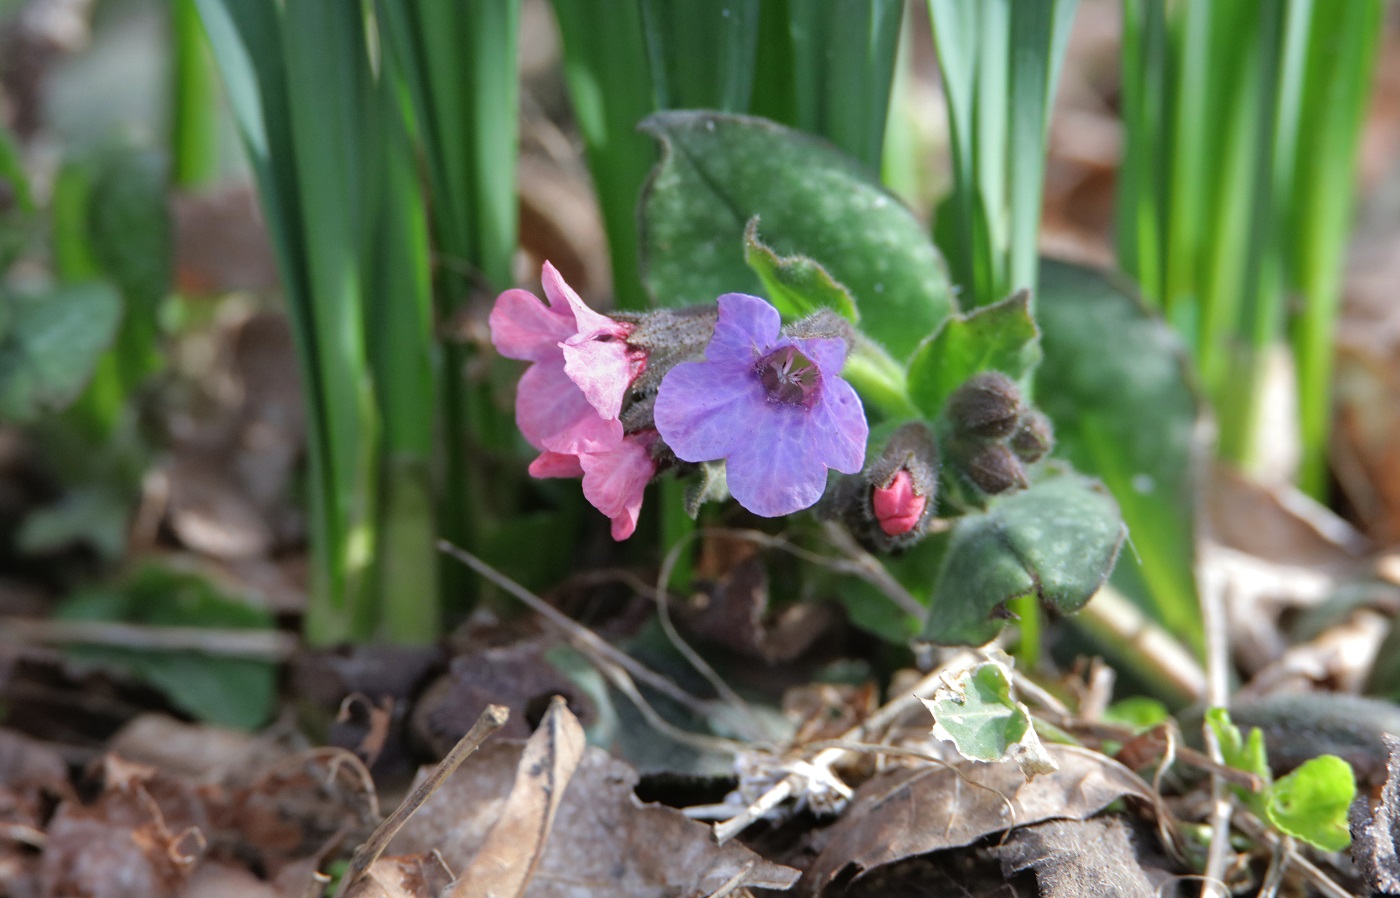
<point>828,352</point>
<point>555,464</point>
<point>747,326</point>
<point>614,482</point>
<point>553,414</point>
<point>837,429</point>
<point>586,321</point>
<point>602,369</point>
<point>705,409</point>
<point>774,470</point>
<point>522,327</point>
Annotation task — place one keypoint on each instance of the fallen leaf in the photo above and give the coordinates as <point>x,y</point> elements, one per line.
<point>512,850</point>
<point>977,712</point>
<point>605,840</point>
<point>408,876</point>
<point>1093,858</point>
<point>909,811</point>
<point>517,676</point>
<point>1375,831</point>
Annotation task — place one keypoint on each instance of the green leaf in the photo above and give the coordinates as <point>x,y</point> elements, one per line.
<point>1002,336</point>
<point>232,692</point>
<point>94,514</point>
<point>129,231</point>
<point>701,55</point>
<point>609,79</point>
<point>16,202</point>
<point>1116,384</point>
<point>1057,541</point>
<point>49,343</point>
<point>978,714</point>
<point>1242,753</point>
<point>1245,753</point>
<point>796,285</point>
<point>1137,711</point>
<point>1311,803</point>
<point>718,171</point>
<point>129,224</point>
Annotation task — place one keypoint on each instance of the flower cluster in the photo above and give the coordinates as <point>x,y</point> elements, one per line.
<point>617,399</point>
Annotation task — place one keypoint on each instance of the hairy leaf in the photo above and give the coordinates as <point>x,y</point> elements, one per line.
<point>718,171</point>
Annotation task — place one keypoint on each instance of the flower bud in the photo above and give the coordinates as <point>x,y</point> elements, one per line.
<point>994,468</point>
<point>902,487</point>
<point>986,407</point>
<point>1034,438</point>
<point>898,509</point>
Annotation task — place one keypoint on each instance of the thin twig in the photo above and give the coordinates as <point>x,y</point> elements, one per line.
<point>579,636</point>
<point>1216,623</point>
<point>826,758</point>
<point>663,613</point>
<point>1255,829</point>
<point>491,720</point>
<point>1119,733</point>
<point>259,645</point>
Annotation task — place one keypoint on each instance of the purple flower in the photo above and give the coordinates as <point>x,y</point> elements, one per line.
<point>771,406</point>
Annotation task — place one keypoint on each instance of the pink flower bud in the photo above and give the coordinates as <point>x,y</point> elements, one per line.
<point>897,507</point>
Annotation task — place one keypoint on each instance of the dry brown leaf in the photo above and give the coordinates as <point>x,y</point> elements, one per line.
<point>517,676</point>
<point>513,848</point>
<point>200,752</point>
<point>405,876</point>
<point>910,811</point>
<point>605,841</point>
<point>1095,858</point>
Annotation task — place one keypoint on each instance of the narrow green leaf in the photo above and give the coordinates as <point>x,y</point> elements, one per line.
<point>609,78</point>
<point>796,285</point>
<point>1057,541</point>
<point>701,54</point>
<point>843,54</point>
<point>1311,803</point>
<point>1001,337</point>
<point>195,120</point>
<point>718,171</point>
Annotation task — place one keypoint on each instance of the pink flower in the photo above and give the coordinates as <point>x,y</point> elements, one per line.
<point>569,400</point>
<point>613,481</point>
<point>898,508</point>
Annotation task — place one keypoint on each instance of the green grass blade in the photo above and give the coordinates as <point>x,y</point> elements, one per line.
<point>328,91</point>
<point>457,63</point>
<point>1341,54</point>
<point>701,53</point>
<point>1039,33</point>
<point>399,325</point>
<point>1140,203</point>
<point>843,66</point>
<point>194,138</point>
<point>609,78</point>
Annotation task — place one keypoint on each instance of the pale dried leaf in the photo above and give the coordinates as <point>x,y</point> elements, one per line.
<point>404,876</point>
<point>605,841</point>
<point>910,811</point>
<point>512,850</point>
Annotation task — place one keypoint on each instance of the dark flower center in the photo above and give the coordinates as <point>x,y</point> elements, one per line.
<point>789,377</point>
